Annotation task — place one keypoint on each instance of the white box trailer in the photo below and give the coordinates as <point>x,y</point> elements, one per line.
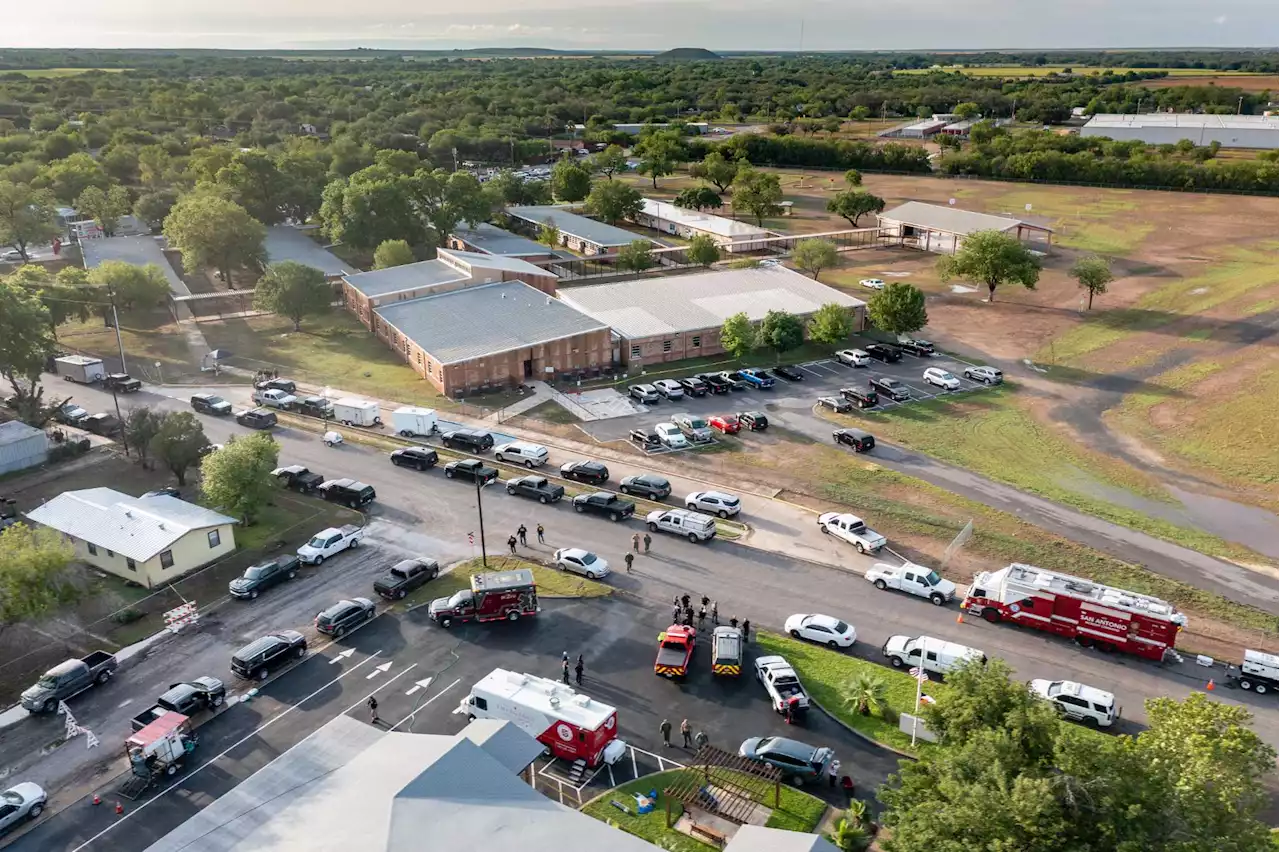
<point>80,368</point>
<point>1260,672</point>
<point>350,411</point>
<point>413,422</point>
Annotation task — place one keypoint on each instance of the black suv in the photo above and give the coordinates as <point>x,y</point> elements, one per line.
<point>121,383</point>
<point>419,457</point>
<point>207,403</point>
<point>315,406</point>
<point>590,472</point>
<point>883,352</point>
<point>286,385</point>
<point>258,578</point>
<point>536,487</point>
<point>791,374</point>
<point>862,398</point>
<point>891,388</point>
<point>753,420</point>
<point>298,478</point>
<point>604,503</point>
<point>472,440</point>
<point>101,424</point>
<point>646,439</point>
<point>472,469</point>
<point>715,383</point>
<point>349,492</point>
<point>257,418</point>
<point>693,386</point>
<point>344,615</point>
<point>646,485</point>
<point>915,346</point>
<point>856,438</point>
<point>262,656</point>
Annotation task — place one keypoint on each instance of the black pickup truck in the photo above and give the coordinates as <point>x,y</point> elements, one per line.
<point>406,576</point>
<point>604,503</point>
<point>298,478</point>
<point>536,487</point>
<point>121,383</point>
<point>203,693</point>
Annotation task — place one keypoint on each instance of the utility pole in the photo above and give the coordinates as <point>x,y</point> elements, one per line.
<point>484,555</point>
<point>1240,105</point>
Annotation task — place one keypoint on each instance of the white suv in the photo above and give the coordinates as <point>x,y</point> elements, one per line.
<point>853,357</point>
<point>669,388</point>
<point>1076,701</point>
<point>520,452</point>
<point>671,436</point>
<point>939,377</point>
<point>714,503</point>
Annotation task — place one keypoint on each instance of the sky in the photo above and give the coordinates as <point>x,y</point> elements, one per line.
<point>645,25</point>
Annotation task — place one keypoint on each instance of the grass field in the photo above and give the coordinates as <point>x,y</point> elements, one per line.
<point>61,72</point>
<point>148,336</point>
<point>1014,71</point>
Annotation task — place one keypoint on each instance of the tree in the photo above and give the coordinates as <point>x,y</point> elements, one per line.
<point>703,250</point>
<point>636,256</point>
<point>612,159</point>
<point>859,113</point>
<point>716,170</point>
<point>212,231</point>
<point>105,208</point>
<point>757,193</point>
<point>569,181</point>
<point>781,332</point>
<point>1093,273</point>
<point>966,111</point>
<point>992,258</point>
<point>831,324</point>
<point>507,188</point>
<point>854,204</point>
<point>738,336</point>
<point>614,201</point>
<point>445,199</point>
<point>898,309</point>
<point>27,216</point>
<point>179,443</point>
<point>25,345</point>
<point>237,478</point>
<point>659,153</point>
<point>155,165</point>
<point>141,424</point>
<point>369,208</point>
<point>866,693</point>
<point>391,253</point>
<point>815,255</point>
<point>294,290</point>
<point>985,696</point>
<point>253,181</point>
<point>853,177</point>
<point>69,177</point>
<point>549,234</point>
<point>698,198</point>
<point>129,283</point>
<point>153,207</point>
<point>33,573</point>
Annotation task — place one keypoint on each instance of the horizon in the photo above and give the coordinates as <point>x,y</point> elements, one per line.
<point>303,47</point>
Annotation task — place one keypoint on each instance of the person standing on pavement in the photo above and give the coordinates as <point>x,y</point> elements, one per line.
<point>647,542</point>
<point>702,615</point>
<point>564,670</point>
<point>715,612</point>
<point>541,535</point>
<point>746,630</point>
<point>833,772</point>
<point>511,543</point>
<point>686,733</point>
<point>733,622</point>
<point>675,615</point>
<point>684,601</point>
<point>700,740</point>
<point>523,533</point>
<point>373,710</point>
<point>705,600</point>
<point>665,727</point>
<point>629,558</point>
<point>635,542</point>
<point>577,671</point>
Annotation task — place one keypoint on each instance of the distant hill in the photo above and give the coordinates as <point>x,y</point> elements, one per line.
<point>686,54</point>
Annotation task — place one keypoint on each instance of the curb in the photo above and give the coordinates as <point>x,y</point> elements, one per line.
<point>859,734</point>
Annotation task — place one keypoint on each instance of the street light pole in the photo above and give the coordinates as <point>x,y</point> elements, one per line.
<point>484,555</point>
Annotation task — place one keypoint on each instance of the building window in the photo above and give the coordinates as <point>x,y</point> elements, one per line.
<point>166,559</point>
<point>132,566</point>
<point>93,548</point>
<point>666,346</point>
<point>215,539</point>
<point>696,341</point>
<point>635,351</point>
<point>110,554</point>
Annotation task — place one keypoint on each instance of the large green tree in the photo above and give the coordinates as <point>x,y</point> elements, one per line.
<point>697,198</point>
<point>27,216</point>
<point>781,332</point>
<point>371,207</point>
<point>609,161</point>
<point>703,250</point>
<point>636,256</point>
<point>660,153</point>
<point>854,204</point>
<point>105,208</point>
<point>898,308</point>
<point>237,478</point>
<point>25,345</point>
<point>129,283</point>
<point>814,255</point>
<point>570,181</point>
<point>831,324</point>
<point>992,258</point>
<point>153,207</point>
<point>179,443</point>
<point>716,170</point>
<point>613,201</point>
<point>738,335</point>
<point>445,199</point>
<point>141,423</point>
<point>294,290</point>
<point>757,193</point>
<point>68,178</point>
<point>34,580</point>
<point>1092,273</point>
<point>213,231</point>
<point>392,253</point>
<point>253,180</point>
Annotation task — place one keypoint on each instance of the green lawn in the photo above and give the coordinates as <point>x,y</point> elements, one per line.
<point>148,336</point>
<point>551,581</point>
<point>797,811</point>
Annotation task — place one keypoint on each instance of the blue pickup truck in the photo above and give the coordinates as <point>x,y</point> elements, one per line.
<point>756,378</point>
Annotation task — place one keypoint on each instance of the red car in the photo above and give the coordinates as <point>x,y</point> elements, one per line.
<point>726,424</point>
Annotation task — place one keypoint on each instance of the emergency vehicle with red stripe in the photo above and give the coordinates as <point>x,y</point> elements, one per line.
<point>1092,614</point>
<point>572,726</point>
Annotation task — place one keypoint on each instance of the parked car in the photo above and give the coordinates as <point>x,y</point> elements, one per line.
<point>22,801</point>
<point>262,576</point>
<point>671,436</point>
<point>916,346</point>
<point>580,561</point>
<point>315,406</point>
<point>725,424</point>
<point>1087,704</point>
<point>735,380</point>
<point>298,478</point>
<point>121,383</point>
<point>604,503</point>
<point>872,283</point>
<point>859,397</point>
<point>646,439</point>
<point>856,438</point>
<point>286,385</point>
<point>166,491</point>
<point>257,418</point>
<point>853,357</point>
<point>986,375</point>
<point>330,542</point>
<point>70,414</point>
<point>590,472</point>
<point>648,485</point>
<point>715,383</point>
<point>890,387</point>
<point>823,629</point>
<point>852,529</point>
<point>694,386</point>
<point>522,452</point>
<point>753,420</point>
<point>188,698</point>
<point>272,398</point>
<point>693,525</point>
<point>838,404</point>
<point>756,378</point>
<point>207,403</point>
<point>791,374</point>
<point>470,440</point>
<point>669,389</point>
<point>473,469</point>
<point>912,579</point>
<point>715,503</point>
<point>798,762</point>
<point>416,457</point>
<point>643,393</point>
<point>343,616</point>
<point>351,493</point>
<point>884,352</point>
<point>536,487</point>
<point>405,576</point>
<point>258,659</point>
<point>101,423</point>
<point>695,428</point>
<point>939,377</point>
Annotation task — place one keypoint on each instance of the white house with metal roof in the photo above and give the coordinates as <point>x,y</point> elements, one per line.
<point>578,233</point>
<point>730,234</point>
<point>940,228</point>
<point>148,540</point>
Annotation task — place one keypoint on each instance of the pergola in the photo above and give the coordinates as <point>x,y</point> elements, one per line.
<point>740,783</point>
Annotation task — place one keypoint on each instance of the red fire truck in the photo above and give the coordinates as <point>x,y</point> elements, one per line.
<point>506,595</point>
<point>675,650</point>
<point>573,726</point>
<point>1093,615</point>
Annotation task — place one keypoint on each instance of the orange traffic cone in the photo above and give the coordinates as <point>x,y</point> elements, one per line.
<point>1208,687</point>
<point>960,617</point>
<point>119,808</point>
<point>97,800</point>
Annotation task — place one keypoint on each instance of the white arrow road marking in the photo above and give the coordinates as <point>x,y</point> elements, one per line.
<point>339,658</point>
<point>382,669</point>
<point>422,684</point>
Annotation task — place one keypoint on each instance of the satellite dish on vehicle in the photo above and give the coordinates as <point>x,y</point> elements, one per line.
<point>951,201</point>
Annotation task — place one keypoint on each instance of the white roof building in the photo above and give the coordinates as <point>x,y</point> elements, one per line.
<point>21,446</point>
<point>731,234</point>
<point>1159,128</point>
<point>940,228</point>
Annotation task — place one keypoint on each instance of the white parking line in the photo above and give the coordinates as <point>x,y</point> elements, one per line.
<point>425,703</point>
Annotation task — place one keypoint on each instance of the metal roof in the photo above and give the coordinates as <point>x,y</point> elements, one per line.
<point>15,432</point>
<point>136,527</point>
<point>754,838</point>
<point>576,226</point>
<point>410,276</point>
<point>1188,120</point>
<point>679,303</point>
<point>488,319</point>
<point>140,251</point>
<point>478,263</point>
<point>494,240</point>
<point>719,226</point>
<point>285,242</point>
<point>550,698</point>
<point>504,742</point>
<point>949,220</point>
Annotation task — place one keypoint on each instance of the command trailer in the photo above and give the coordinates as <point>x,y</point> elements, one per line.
<point>1092,614</point>
<point>572,726</point>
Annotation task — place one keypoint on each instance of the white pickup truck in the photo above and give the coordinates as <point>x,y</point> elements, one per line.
<point>330,542</point>
<point>913,579</point>
<point>274,398</point>
<point>783,684</point>
<point>852,529</point>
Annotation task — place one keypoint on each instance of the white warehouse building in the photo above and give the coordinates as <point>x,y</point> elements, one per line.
<point>730,234</point>
<point>1161,128</point>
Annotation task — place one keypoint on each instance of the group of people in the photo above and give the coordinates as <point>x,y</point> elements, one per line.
<point>578,668</point>
<point>521,537</point>
<point>682,613</point>
<point>690,739</point>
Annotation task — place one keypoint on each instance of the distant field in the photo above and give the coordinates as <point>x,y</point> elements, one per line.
<point>59,72</point>
<point>1046,70</point>
<point>1248,82</point>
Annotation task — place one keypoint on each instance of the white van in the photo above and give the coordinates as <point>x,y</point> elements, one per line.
<point>694,525</point>
<point>350,411</point>
<point>935,656</point>
<point>413,422</point>
<point>522,452</point>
